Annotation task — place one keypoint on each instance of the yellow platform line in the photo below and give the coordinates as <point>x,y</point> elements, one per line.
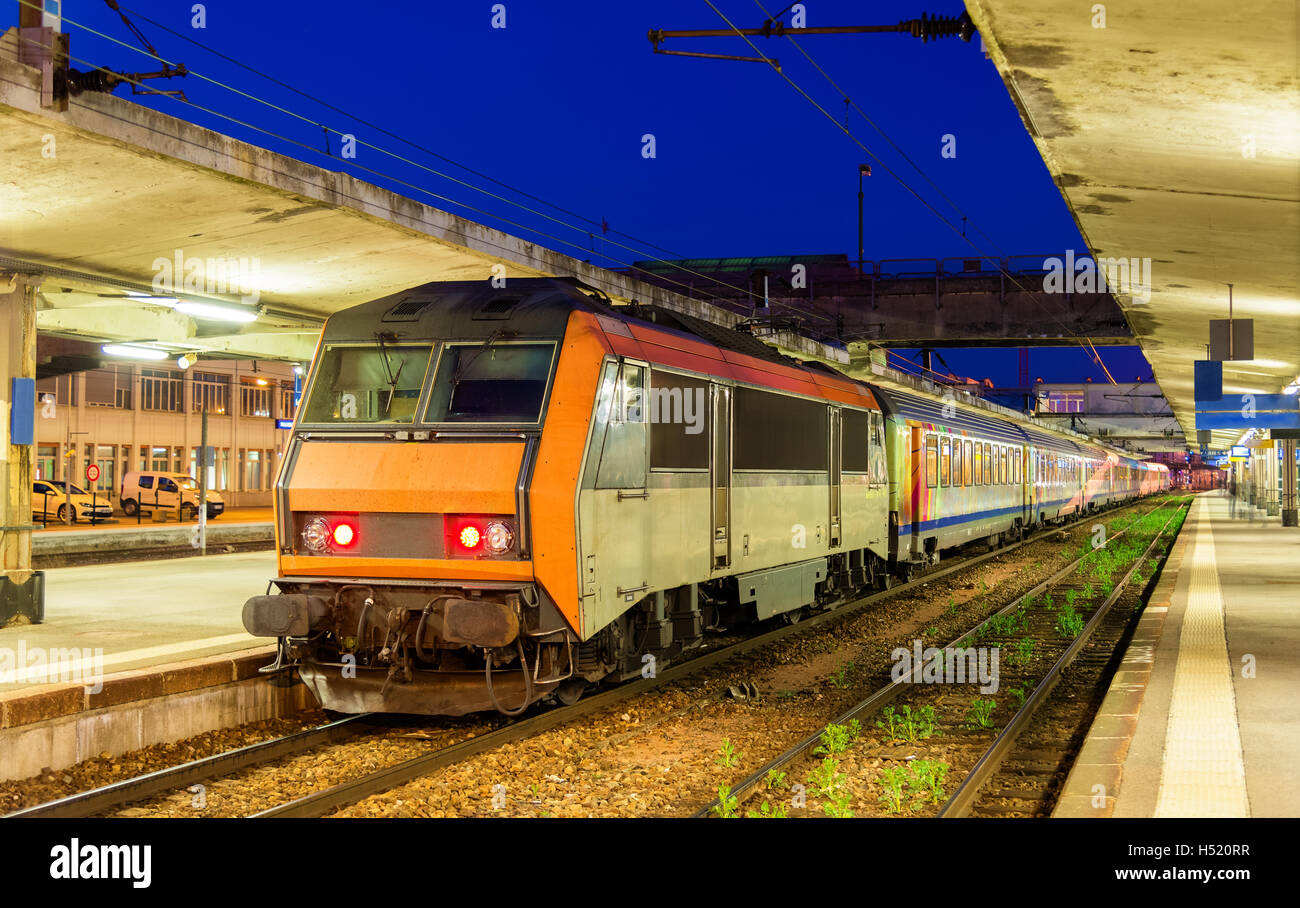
<point>1204,774</point>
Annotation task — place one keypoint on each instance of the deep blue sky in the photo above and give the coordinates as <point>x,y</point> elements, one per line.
<point>557,102</point>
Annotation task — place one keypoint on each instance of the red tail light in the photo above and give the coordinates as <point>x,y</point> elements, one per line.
<point>470,537</point>
<point>344,534</point>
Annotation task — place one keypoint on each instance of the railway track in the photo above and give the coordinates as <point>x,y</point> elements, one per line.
<point>323,802</point>
<point>1041,756</point>
<point>120,794</point>
<point>1016,776</point>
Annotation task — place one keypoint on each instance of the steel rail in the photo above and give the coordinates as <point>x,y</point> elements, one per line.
<point>884,695</point>
<point>108,797</point>
<point>326,801</point>
<point>963,798</point>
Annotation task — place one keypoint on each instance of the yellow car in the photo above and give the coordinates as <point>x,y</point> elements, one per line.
<point>50,503</point>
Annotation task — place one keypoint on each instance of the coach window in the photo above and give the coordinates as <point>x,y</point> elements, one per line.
<point>956,462</point>
<point>802,444</point>
<point>931,462</point>
<point>1003,475</point>
<point>677,410</point>
<point>1019,474</point>
<point>979,465</point>
<point>854,441</point>
<point>965,464</point>
<point>945,461</point>
<point>988,464</point>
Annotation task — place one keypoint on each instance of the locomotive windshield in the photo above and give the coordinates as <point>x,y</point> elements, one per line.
<point>373,383</point>
<point>491,383</point>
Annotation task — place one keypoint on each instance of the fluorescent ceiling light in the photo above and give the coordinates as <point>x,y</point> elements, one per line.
<point>148,298</point>
<point>217,313</point>
<point>129,351</point>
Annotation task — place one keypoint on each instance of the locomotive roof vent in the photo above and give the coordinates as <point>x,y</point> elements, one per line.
<point>408,310</point>
<point>499,307</point>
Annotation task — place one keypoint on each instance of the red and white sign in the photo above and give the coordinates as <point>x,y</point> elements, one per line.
<point>92,472</point>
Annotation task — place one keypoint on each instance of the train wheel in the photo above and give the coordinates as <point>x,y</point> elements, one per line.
<point>571,691</point>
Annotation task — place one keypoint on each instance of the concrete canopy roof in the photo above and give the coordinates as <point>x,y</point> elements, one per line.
<point>1174,135</point>
<point>127,186</point>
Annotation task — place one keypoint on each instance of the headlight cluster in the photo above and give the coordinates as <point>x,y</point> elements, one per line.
<point>319,535</point>
<point>471,536</point>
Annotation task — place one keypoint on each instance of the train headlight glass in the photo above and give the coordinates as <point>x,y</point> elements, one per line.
<point>316,534</point>
<point>499,538</point>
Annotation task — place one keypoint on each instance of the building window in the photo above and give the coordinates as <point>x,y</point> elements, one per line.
<point>287,409</point>
<point>211,392</point>
<point>109,386</point>
<point>254,398</point>
<point>161,389</point>
<point>106,460</point>
<point>47,456</point>
<point>252,469</point>
<point>61,390</point>
<point>1064,402</point>
<point>159,459</point>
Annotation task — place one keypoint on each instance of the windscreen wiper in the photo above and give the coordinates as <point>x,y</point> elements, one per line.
<point>392,376</point>
<point>462,366</point>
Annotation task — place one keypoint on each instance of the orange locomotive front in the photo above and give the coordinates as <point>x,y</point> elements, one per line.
<point>410,578</point>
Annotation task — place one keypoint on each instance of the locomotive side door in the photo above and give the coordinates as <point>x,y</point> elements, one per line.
<point>836,468</point>
<point>720,474</point>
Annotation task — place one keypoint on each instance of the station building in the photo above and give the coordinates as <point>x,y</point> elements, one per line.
<point>127,416</point>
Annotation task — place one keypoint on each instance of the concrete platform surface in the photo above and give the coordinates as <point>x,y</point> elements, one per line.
<point>1203,718</point>
<point>109,618</point>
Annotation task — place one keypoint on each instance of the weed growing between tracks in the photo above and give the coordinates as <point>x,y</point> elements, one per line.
<point>891,775</point>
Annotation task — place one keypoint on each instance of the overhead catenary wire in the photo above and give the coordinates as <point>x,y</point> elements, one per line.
<point>849,133</point>
<point>402,158</point>
<point>393,135</point>
<point>414,187</point>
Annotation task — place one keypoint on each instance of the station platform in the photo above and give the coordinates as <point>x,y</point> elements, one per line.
<point>119,521</point>
<point>107,618</point>
<point>123,539</point>
<point>1202,718</point>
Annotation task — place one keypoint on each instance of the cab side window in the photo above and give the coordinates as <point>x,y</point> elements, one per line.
<point>166,485</point>
<point>879,466</point>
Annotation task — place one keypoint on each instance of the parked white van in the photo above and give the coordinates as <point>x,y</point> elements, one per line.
<point>147,491</point>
